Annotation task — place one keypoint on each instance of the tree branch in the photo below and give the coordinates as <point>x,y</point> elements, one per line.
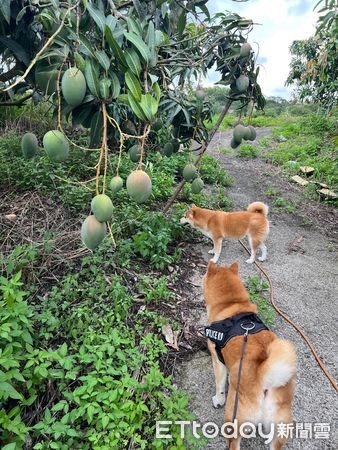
<point>18,102</point>
<point>199,157</point>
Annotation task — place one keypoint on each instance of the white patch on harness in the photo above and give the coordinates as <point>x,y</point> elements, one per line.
<point>213,334</point>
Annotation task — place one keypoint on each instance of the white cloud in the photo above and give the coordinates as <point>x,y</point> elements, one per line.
<point>280,23</point>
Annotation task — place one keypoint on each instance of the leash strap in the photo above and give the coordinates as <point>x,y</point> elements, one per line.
<point>245,340</point>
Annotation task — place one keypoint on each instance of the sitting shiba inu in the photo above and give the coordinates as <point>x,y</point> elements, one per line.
<point>219,224</point>
<point>268,373</point>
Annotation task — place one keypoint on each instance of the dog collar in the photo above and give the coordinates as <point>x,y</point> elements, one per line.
<point>221,331</point>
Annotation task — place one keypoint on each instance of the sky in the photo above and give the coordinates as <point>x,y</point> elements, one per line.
<point>279,23</point>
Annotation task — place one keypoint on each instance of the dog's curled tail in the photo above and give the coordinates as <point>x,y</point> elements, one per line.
<point>258,207</point>
<point>280,365</point>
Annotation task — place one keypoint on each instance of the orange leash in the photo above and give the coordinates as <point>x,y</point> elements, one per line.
<point>306,339</point>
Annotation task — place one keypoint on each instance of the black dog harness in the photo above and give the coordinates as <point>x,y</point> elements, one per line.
<point>222,331</point>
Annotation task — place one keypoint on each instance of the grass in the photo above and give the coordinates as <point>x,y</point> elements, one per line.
<point>280,203</point>
<point>258,121</point>
<point>308,142</point>
<point>247,151</point>
<point>257,287</point>
<point>284,205</point>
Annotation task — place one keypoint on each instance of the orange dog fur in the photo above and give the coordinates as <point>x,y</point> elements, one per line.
<point>269,365</point>
<point>219,224</point>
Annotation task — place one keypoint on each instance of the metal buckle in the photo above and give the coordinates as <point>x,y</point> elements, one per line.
<point>248,326</point>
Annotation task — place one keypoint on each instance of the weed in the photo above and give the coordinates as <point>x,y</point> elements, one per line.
<point>285,205</point>
<point>256,287</point>
<point>225,150</point>
<point>155,290</point>
<point>247,151</point>
<point>271,192</point>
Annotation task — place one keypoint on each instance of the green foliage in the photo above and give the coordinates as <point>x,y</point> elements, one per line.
<point>314,63</point>
<point>114,52</point>
<point>154,290</point>
<point>212,174</point>
<point>256,288</point>
<point>154,238</point>
<point>285,205</point>
<point>307,142</point>
<point>95,399</point>
<point>247,151</point>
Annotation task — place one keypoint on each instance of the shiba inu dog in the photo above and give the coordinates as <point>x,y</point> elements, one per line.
<point>268,373</point>
<point>219,224</point>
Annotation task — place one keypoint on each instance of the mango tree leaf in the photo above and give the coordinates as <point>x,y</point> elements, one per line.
<point>136,107</point>
<point>16,49</point>
<point>182,21</point>
<point>5,8</point>
<point>139,9</point>
<point>117,50</point>
<point>85,46</point>
<point>153,78</point>
<point>204,9</point>
<point>151,103</point>
<point>103,59</point>
<point>133,61</point>
<point>123,98</point>
<point>134,26</point>
<point>111,22</point>
<point>92,78</point>
<point>139,44</point>
<point>157,91</point>
<point>150,37</point>
<point>146,106</point>
<point>96,127</point>
<point>133,85</point>
<point>115,85</point>
<point>159,38</point>
<point>81,113</point>
<point>97,16</point>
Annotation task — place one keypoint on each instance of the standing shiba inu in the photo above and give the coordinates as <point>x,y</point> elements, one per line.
<point>268,372</point>
<point>219,224</point>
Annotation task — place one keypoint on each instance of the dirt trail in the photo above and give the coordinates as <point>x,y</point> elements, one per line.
<point>303,265</point>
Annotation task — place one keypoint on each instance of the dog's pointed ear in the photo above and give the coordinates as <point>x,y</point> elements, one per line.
<point>234,267</point>
<point>212,267</point>
<point>193,206</point>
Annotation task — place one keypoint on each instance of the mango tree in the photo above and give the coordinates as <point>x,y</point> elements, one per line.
<point>121,70</point>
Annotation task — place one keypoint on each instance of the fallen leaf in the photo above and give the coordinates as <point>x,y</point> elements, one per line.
<point>10,216</point>
<point>170,336</point>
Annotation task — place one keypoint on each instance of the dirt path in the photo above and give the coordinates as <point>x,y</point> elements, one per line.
<point>303,265</point>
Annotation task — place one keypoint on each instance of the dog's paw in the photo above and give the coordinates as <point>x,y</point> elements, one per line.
<point>250,260</point>
<point>261,258</point>
<point>218,401</point>
<point>211,252</point>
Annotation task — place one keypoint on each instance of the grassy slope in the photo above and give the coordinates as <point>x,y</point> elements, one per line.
<point>311,141</point>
